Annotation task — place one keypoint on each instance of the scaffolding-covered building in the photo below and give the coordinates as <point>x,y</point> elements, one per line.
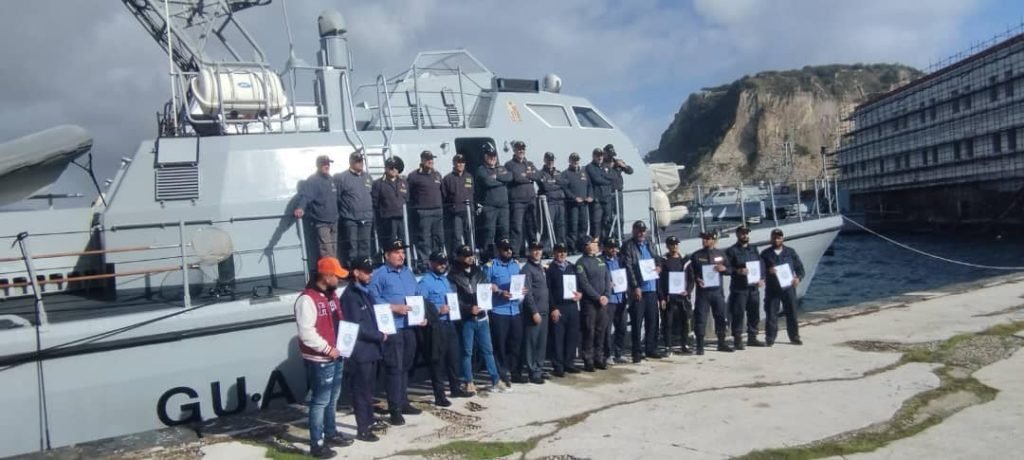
<point>947,148</point>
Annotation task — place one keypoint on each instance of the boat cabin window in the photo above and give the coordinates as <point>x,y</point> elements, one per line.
<point>588,118</point>
<point>554,115</point>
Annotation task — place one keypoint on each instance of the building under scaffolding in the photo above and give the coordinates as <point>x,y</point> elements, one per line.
<point>945,148</point>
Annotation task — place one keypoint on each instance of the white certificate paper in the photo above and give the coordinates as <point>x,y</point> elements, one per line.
<point>348,332</point>
<point>454,313</point>
<point>785,275</point>
<point>710,276</point>
<point>483,296</point>
<point>516,286</point>
<point>385,322</point>
<point>648,269</point>
<point>619,282</point>
<point>753,272</point>
<point>416,313</point>
<point>568,286</point>
<point>676,282</point>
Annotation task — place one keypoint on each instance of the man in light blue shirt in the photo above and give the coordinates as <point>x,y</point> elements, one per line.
<point>644,293</point>
<point>506,323</point>
<point>444,341</point>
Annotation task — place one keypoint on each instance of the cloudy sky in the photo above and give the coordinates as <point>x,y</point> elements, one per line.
<point>88,62</point>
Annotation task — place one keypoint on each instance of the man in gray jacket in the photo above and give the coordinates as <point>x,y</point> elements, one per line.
<point>535,311</point>
<point>355,209</point>
<point>318,194</point>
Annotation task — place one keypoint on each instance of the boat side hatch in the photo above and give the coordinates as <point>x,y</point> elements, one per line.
<point>176,169</point>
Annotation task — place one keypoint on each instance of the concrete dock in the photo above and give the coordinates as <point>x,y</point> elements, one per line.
<point>933,374</point>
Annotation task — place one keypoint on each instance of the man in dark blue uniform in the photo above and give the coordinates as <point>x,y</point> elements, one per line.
<point>361,367</point>
<point>536,307</point>
<point>744,293</point>
<point>491,182</point>
<point>709,291</point>
<point>644,315</point>
<point>578,197</point>
<point>595,282</point>
<point>391,284</point>
<point>565,313</point>
<point>521,197</point>
<point>552,186</point>
<point>425,201</point>
<point>355,206</point>
<point>318,194</point>
<point>444,340</point>
<point>615,168</point>
<point>601,184</point>
<point>506,316</point>
<point>389,194</point>
<point>675,305</point>
<point>776,294</point>
<point>457,193</point>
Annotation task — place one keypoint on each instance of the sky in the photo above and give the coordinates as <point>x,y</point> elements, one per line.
<point>88,62</point>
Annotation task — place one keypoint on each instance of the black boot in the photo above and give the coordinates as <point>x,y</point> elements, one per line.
<point>700,345</point>
<point>737,342</point>
<point>722,345</point>
<point>753,342</point>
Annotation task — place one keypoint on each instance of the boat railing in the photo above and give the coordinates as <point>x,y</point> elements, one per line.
<point>452,105</point>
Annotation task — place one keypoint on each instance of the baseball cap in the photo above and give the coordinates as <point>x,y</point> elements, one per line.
<point>396,245</point>
<point>323,160</point>
<point>439,257</point>
<point>488,149</point>
<point>561,247</point>
<point>427,155</point>
<point>504,244</point>
<point>331,266</point>
<point>777,232</point>
<point>708,235</point>
<point>536,245</point>
<point>574,156</point>
<point>518,145</point>
<point>742,229</point>
<point>609,149</point>
<point>459,158</point>
<point>672,241</point>
<point>611,242</point>
<point>639,225</point>
<point>549,156</point>
<point>363,264</point>
<point>584,242</point>
<point>597,151</point>
<point>464,251</point>
<point>355,157</point>
<point>394,162</point>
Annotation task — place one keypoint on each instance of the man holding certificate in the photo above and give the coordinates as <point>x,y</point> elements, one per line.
<point>785,270</point>
<point>565,312</point>
<point>744,288</point>
<point>595,282</point>
<point>642,272</point>
<point>391,284</point>
<point>467,276</point>
<point>506,316</point>
<point>536,306</point>
<point>615,341</point>
<point>708,265</point>
<point>674,294</point>
<point>361,367</point>
<point>443,338</point>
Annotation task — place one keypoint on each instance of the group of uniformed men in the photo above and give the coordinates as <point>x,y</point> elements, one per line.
<point>581,201</point>
<point>563,311</point>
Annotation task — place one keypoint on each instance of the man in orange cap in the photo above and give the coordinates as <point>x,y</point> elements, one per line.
<point>317,313</point>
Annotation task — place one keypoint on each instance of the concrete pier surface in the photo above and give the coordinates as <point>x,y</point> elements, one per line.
<point>931,375</point>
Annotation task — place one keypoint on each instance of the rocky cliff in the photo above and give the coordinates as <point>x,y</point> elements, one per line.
<point>770,125</point>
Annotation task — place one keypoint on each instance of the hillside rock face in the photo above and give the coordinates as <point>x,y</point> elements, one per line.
<point>770,125</point>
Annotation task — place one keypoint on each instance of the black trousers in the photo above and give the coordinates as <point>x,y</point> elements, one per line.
<point>597,218</point>
<point>565,337</point>
<point>615,340</point>
<point>576,217</point>
<point>595,330</point>
<point>787,300</point>
<point>709,300</point>
<point>399,353</point>
<point>507,334</point>
<point>458,230</point>
<point>359,381</point>
<point>644,316</point>
<point>446,365</point>
<point>355,239</point>
<point>521,217</point>
<point>744,301</point>
<point>389,229</point>
<point>429,231</point>
<point>494,226</point>
<point>557,210</point>
<point>677,312</point>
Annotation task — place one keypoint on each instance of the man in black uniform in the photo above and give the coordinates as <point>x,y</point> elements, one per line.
<point>425,201</point>
<point>744,292</point>
<point>565,313</point>
<point>595,282</point>
<point>355,206</point>
<point>578,196</point>
<point>552,186</point>
<point>491,181</point>
<point>521,197</point>
<point>709,291</point>
<point>643,293</point>
<point>361,367</point>
<point>601,184</point>
<point>389,194</point>
<point>675,305</point>
<point>457,192</point>
<point>319,194</point>
<point>536,308</point>
<point>775,257</point>
<point>616,168</point>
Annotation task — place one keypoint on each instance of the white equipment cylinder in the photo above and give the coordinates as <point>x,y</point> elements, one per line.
<point>244,93</point>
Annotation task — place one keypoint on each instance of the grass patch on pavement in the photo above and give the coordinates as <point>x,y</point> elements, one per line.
<point>475,450</point>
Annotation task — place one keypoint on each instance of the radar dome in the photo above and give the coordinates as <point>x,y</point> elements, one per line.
<point>552,83</point>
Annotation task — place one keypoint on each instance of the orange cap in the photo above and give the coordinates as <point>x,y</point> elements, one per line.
<point>331,266</point>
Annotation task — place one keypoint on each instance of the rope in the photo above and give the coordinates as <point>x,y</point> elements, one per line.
<point>933,256</point>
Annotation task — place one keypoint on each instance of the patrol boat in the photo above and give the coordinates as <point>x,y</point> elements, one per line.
<point>169,300</point>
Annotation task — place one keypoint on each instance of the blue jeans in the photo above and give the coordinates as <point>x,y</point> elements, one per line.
<point>324,380</point>
<point>477,333</point>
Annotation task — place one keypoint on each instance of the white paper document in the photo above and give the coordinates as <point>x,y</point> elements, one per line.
<point>710,276</point>
<point>483,296</point>
<point>385,322</point>
<point>619,282</point>
<point>648,270</point>
<point>516,286</point>
<point>416,310</point>
<point>454,313</point>
<point>785,275</point>
<point>753,272</point>
<point>568,286</point>
<point>348,332</point>
<point>676,282</point>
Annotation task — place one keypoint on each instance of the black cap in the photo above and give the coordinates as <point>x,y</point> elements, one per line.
<point>516,145</point>
<point>561,247</point>
<point>549,156</point>
<point>611,242</point>
<point>355,157</point>
<point>742,229</point>
<point>777,232</point>
<point>609,149</point>
<point>585,241</point>
<point>394,162</point>
<point>464,251</point>
<point>488,149</point>
<point>535,245</point>
<point>439,257</point>
<point>671,241</point>
<point>640,225</point>
<point>504,244</point>
<point>396,245</point>
<point>458,158</point>
<point>598,151</point>
<point>708,234</point>
<point>574,156</point>
<point>362,264</point>
<point>323,160</point>
<point>427,155</point>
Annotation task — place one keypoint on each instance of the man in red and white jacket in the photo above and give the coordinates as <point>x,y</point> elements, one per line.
<point>317,313</point>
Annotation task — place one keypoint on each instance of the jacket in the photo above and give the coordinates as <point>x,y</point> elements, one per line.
<point>456,190</point>
<point>491,185</point>
<point>425,189</point>
<point>318,195</point>
<point>703,257</point>
<point>600,182</point>
<point>552,185</point>
<point>524,174</point>
<point>536,300</point>
<point>771,259</point>
<point>576,184</point>
<point>616,175</point>
<point>593,278</point>
<point>389,196</point>
<point>631,261</point>
<point>556,290</point>
<point>355,201</point>
<point>316,316</point>
<point>671,264</point>
<point>738,256</point>
<point>357,307</point>
<point>465,285</point>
